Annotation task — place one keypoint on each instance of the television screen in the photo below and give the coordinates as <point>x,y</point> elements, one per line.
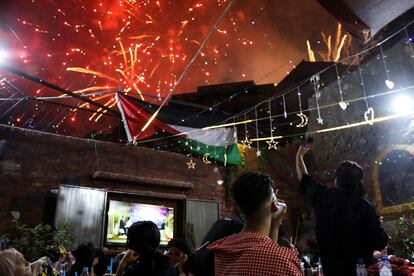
<point>121,215</point>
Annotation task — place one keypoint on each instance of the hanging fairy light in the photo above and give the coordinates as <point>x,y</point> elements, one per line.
<point>369,114</point>
<point>272,144</point>
<point>342,103</point>
<point>258,152</point>
<point>246,142</point>
<point>388,82</point>
<point>316,86</point>
<point>409,41</point>
<point>301,115</point>
<point>284,106</point>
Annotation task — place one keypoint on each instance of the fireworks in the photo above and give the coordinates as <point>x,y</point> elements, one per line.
<point>138,46</point>
<point>333,52</point>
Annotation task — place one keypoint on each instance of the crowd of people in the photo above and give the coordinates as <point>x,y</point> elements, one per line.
<point>347,229</point>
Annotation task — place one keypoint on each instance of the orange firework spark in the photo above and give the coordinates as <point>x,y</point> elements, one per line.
<point>333,52</point>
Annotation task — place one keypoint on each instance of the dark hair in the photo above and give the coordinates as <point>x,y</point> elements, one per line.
<point>84,255</point>
<point>180,244</point>
<point>251,190</point>
<point>349,177</point>
<point>143,237</point>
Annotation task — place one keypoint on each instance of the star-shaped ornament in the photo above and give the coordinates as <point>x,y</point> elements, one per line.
<point>191,164</point>
<point>258,153</point>
<point>247,143</point>
<point>272,144</point>
<point>320,121</point>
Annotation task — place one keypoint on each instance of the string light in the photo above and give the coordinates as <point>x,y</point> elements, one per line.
<point>301,115</point>
<point>258,152</point>
<point>409,41</point>
<point>342,104</point>
<point>272,144</point>
<point>388,82</point>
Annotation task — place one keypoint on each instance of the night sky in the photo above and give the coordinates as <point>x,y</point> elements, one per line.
<point>143,47</point>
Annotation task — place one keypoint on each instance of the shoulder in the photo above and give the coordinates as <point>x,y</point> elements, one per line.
<point>286,261</point>
<point>277,251</point>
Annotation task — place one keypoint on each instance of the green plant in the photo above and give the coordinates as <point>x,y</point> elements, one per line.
<point>403,238</point>
<point>34,242</point>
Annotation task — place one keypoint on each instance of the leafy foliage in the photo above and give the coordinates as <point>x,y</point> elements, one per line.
<point>403,238</point>
<point>34,242</point>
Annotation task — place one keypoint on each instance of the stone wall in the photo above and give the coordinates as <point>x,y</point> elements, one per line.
<point>364,143</point>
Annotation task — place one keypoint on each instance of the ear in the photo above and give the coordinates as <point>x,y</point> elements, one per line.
<point>273,207</point>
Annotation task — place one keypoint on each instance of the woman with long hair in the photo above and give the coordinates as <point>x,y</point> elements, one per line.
<point>347,226</point>
<point>142,257</point>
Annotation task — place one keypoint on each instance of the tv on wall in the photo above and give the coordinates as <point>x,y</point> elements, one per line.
<point>122,214</point>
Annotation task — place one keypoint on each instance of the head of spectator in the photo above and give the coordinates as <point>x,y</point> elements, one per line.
<point>85,255</point>
<point>142,256</point>
<point>176,249</point>
<point>143,238</point>
<point>349,177</point>
<point>13,263</point>
<point>255,198</point>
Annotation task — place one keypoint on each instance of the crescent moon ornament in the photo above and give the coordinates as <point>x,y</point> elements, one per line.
<point>205,158</point>
<point>304,120</point>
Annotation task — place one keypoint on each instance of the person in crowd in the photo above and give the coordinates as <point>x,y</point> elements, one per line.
<point>220,229</point>
<point>254,251</point>
<point>65,260</point>
<point>122,225</point>
<point>103,261</point>
<point>180,254</point>
<point>86,256</point>
<point>142,256</point>
<point>347,226</point>
<point>13,263</point>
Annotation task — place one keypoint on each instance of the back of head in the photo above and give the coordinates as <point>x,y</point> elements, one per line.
<point>349,177</point>
<point>143,237</point>
<point>180,244</point>
<point>9,259</point>
<point>251,191</point>
<point>84,254</point>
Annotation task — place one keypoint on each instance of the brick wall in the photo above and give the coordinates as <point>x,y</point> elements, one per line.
<point>33,163</point>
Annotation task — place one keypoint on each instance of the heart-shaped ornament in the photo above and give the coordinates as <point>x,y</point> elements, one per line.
<point>369,116</point>
<point>343,105</point>
<point>389,84</point>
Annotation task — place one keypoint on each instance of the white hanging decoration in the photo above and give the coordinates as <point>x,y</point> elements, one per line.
<point>303,118</point>
<point>388,82</point>
<point>205,158</point>
<point>342,103</point>
<point>258,152</point>
<point>191,164</point>
<point>369,115</point>
<point>246,142</point>
<point>284,106</point>
<point>272,144</point>
<point>315,79</point>
<point>409,40</point>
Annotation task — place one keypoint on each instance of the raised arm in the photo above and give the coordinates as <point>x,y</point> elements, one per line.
<point>300,164</point>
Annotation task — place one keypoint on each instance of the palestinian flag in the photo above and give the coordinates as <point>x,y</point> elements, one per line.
<point>219,143</point>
